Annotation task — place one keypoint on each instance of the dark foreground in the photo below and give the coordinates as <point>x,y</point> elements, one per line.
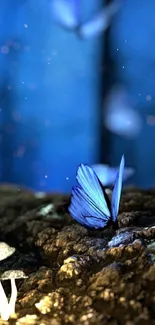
<point>75,275</point>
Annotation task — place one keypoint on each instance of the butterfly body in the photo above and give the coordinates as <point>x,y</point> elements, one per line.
<point>90,205</point>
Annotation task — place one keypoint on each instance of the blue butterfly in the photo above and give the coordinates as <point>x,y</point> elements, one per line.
<point>90,204</point>
<point>67,14</point>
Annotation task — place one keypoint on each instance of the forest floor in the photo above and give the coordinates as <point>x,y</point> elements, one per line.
<point>68,274</point>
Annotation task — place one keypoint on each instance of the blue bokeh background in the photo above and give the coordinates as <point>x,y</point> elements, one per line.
<point>49,93</point>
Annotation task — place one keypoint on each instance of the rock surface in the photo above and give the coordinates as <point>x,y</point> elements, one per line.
<point>68,274</point>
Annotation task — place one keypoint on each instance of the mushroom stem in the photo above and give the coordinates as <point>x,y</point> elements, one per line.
<point>7,308</point>
<point>13,297</point>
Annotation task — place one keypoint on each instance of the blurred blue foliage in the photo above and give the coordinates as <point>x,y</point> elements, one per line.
<point>49,93</point>
<point>133,50</point>
<point>49,112</point>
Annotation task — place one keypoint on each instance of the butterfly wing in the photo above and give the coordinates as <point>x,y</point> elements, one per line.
<point>92,189</point>
<point>99,23</point>
<point>65,12</point>
<point>88,201</point>
<point>75,208</point>
<point>81,210</point>
<point>117,191</point>
<point>128,172</point>
<point>107,174</point>
<point>121,118</point>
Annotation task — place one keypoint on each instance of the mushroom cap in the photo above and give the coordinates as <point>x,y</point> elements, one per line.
<point>6,251</point>
<point>13,274</point>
